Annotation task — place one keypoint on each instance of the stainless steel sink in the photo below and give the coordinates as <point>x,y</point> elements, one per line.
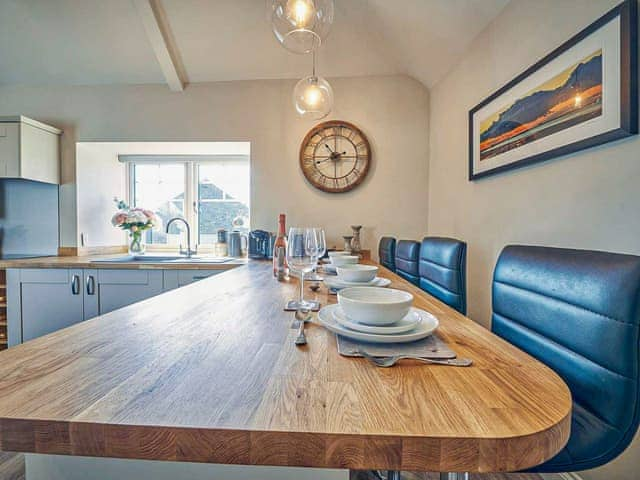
<point>162,259</point>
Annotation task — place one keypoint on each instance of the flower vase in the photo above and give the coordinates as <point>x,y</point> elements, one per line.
<point>356,246</point>
<point>137,245</point>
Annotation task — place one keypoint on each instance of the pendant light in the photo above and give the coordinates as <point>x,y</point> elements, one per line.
<point>301,25</point>
<point>313,96</point>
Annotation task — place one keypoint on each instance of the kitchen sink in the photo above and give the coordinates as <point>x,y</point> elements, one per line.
<point>162,259</point>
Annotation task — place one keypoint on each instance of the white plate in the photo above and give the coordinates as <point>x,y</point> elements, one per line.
<point>427,325</point>
<point>409,322</point>
<point>335,282</point>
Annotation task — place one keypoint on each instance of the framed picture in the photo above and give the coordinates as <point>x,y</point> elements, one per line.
<point>582,94</point>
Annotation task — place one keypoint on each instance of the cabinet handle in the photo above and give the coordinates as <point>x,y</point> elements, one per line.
<point>91,285</point>
<point>75,285</point>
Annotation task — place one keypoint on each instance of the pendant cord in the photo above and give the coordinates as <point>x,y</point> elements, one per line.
<point>314,64</point>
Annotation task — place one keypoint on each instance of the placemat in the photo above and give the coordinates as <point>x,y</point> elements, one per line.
<point>429,347</point>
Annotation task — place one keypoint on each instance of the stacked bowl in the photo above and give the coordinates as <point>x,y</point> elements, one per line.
<point>377,315</point>
<point>349,273</point>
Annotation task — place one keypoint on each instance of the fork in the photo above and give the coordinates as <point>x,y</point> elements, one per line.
<point>393,359</point>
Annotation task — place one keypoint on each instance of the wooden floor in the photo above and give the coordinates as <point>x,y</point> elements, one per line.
<point>435,476</point>
<point>12,468</point>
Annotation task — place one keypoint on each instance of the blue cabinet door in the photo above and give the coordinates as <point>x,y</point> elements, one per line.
<point>50,299</point>
<point>119,288</point>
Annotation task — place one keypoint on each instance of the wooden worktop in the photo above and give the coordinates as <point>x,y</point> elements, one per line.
<point>209,373</point>
<point>86,261</point>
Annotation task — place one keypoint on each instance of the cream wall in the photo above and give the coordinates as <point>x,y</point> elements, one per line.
<point>392,111</point>
<point>586,200</point>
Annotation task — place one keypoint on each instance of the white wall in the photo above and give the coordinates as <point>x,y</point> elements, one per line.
<point>587,200</point>
<point>392,111</point>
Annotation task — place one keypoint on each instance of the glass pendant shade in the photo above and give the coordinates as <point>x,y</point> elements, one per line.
<point>313,97</point>
<point>301,25</point>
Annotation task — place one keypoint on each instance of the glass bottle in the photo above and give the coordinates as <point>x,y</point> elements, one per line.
<point>280,267</point>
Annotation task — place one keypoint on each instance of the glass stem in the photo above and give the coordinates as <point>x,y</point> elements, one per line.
<point>301,288</point>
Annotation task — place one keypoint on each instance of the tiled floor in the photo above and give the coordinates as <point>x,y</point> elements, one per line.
<point>12,468</point>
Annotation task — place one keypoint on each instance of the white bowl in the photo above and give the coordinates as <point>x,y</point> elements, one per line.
<point>374,305</point>
<point>338,253</point>
<point>357,273</point>
<point>344,260</point>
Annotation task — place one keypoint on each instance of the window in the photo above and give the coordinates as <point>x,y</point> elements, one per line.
<point>209,193</point>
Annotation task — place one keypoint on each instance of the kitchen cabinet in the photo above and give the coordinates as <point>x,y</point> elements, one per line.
<point>43,300</point>
<point>179,278</point>
<point>29,150</point>
<point>119,288</point>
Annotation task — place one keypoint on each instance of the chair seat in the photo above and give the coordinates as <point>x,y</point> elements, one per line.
<point>578,311</point>
<point>407,253</point>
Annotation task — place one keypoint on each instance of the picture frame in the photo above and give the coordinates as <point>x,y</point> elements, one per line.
<point>582,94</point>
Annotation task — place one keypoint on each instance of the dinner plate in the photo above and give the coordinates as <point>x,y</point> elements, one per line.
<point>427,325</point>
<point>337,283</point>
<point>408,322</point>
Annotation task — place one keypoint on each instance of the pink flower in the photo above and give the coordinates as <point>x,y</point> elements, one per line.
<point>118,219</point>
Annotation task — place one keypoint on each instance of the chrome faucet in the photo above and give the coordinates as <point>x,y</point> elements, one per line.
<point>188,252</point>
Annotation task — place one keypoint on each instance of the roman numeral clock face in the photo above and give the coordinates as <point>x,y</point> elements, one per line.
<point>335,156</point>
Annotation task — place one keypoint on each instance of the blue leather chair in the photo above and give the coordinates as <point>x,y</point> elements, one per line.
<point>442,270</point>
<point>387,253</point>
<point>407,253</point>
<point>578,311</point>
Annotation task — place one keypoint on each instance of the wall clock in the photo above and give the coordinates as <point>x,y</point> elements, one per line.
<point>335,156</point>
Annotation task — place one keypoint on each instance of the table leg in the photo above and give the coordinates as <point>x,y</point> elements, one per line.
<point>454,476</point>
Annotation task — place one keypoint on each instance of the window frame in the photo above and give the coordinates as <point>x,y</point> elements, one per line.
<point>191,195</point>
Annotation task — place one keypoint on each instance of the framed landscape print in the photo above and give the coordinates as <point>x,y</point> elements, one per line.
<point>582,94</point>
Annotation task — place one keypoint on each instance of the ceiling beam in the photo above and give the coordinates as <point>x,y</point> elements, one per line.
<point>159,35</point>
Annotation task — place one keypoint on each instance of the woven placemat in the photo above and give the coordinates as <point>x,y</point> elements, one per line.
<point>429,347</point>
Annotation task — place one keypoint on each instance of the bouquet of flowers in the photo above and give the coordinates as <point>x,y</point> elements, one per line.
<point>136,221</point>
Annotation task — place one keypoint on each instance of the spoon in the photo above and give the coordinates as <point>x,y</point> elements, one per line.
<point>302,315</point>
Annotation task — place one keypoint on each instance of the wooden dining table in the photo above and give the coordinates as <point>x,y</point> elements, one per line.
<point>210,373</point>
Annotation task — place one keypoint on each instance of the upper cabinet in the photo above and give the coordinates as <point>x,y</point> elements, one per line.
<point>29,150</point>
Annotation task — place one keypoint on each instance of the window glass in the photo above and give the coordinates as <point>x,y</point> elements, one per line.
<point>161,188</point>
<point>217,192</point>
<point>223,198</point>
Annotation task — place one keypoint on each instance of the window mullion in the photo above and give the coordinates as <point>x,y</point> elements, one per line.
<point>191,197</point>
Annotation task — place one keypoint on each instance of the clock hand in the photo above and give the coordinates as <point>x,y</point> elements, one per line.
<point>323,160</point>
<point>329,148</point>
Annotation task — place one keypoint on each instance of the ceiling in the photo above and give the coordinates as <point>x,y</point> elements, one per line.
<point>89,42</point>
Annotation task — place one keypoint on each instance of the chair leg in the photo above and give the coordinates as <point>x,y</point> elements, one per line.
<point>454,476</point>
<point>393,475</point>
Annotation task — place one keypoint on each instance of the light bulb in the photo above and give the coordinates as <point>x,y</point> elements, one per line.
<point>301,25</point>
<point>301,13</point>
<point>313,97</point>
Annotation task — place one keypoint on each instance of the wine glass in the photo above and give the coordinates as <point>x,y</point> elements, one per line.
<point>322,249</point>
<point>302,256</point>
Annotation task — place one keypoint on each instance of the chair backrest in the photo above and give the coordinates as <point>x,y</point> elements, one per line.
<point>442,269</point>
<point>387,253</point>
<point>407,252</point>
<point>577,311</point>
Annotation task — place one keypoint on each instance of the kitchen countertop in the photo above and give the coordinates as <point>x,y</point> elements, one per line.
<point>209,373</point>
<point>86,262</point>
